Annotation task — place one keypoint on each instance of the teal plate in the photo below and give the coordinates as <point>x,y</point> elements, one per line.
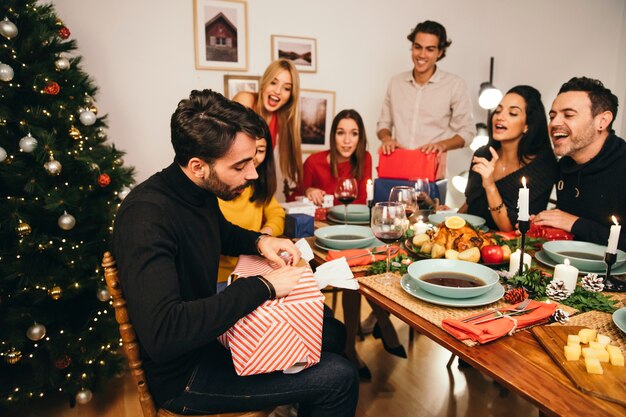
<point>619,318</point>
<point>356,212</point>
<point>410,286</point>
<point>543,257</point>
<point>333,219</point>
<point>441,217</point>
<point>575,251</point>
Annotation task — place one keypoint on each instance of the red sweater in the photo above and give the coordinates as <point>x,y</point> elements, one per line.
<point>317,173</point>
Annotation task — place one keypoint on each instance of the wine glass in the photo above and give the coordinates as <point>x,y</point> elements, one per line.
<point>424,202</point>
<point>405,195</point>
<point>346,193</point>
<point>388,224</point>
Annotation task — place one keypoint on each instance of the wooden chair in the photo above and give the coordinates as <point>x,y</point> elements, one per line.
<point>131,347</point>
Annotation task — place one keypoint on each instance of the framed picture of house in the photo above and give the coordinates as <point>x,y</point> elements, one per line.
<point>236,83</point>
<point>221,34</point>
<point>317,109</point>
<point>301,51</point>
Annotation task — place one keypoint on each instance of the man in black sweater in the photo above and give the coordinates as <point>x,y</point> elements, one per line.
<point>592,184</point>
<point>168,237</point>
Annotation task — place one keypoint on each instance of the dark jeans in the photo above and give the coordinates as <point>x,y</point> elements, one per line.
<point>330,388</point>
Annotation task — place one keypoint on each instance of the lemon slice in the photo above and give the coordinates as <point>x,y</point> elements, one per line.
<point>455,222</point>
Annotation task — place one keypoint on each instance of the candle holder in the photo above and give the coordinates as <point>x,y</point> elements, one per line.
<point>523,226</point>
<point>610,283</point>
<point>370,204</point>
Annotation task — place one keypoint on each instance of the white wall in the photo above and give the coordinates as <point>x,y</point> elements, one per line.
<point>141,55</point>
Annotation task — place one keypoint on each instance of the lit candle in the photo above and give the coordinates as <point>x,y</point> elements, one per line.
<point>566,273</point>
<point>522,202</point>
<point>420,227</point>
<point>613,237</point>
<point>370,190</point>
<point>515,259</point>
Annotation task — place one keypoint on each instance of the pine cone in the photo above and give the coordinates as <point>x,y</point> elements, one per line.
<point>515,295</point>
<point>593,283</point>
<point>557,291</point>
<point>560,316</point>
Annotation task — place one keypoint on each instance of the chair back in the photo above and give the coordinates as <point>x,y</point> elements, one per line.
<point>129,338</point>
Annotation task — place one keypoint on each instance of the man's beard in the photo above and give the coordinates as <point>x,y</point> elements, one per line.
<point>220,188</point>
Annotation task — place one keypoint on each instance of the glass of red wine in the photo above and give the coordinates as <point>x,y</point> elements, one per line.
<point>422,188</point>
<point>389,223</point>
<point>346,193</point>
<point>405,195</point>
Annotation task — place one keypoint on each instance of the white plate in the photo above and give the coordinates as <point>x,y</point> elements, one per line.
<point>619,318</point>
<point>543,257</point>
<point>409,285</point>
<point>441,217</point>
<point>333,219</point>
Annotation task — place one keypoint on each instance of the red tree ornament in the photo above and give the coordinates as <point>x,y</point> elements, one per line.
<point>64,33</point>
<point>104,180</point>
<point>52,88</point>
<point>62,362</point>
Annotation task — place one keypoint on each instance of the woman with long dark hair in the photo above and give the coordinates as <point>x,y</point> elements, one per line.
<point>519,146</point>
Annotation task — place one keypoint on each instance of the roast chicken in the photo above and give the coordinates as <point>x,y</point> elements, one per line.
<point>460,239</point>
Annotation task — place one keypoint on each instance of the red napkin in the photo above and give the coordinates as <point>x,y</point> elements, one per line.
<point>406,164</point>
<point>548,233</point>
<point>486,332</point>
<point>361,260</point>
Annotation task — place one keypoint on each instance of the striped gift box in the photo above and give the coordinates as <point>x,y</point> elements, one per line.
<point>280,335</point>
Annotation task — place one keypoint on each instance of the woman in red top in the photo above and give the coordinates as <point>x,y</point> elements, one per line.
<point>347,158</point>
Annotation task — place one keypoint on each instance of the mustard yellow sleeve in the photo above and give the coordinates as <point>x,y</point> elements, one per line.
<point>274,217</point>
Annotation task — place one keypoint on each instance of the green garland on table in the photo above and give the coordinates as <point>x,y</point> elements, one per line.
<point>536,281</point>
<point>398,263</point>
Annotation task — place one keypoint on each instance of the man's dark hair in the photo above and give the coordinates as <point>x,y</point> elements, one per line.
<point>434,28</point>
<point>602,99</point>
<point>205,126</point>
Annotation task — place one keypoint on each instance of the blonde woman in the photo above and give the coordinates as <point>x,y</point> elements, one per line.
<point>278,102</point>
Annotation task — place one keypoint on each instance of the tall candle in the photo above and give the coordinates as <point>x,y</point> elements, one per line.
<point>522,202</point>
<point>613,237</point>
<point>370,190</point>
<point>515,260</point>
<point>566,273</point>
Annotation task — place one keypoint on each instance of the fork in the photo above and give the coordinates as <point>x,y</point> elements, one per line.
<point>520,307</point>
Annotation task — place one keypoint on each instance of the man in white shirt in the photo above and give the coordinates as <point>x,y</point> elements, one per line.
<point>426,108</point>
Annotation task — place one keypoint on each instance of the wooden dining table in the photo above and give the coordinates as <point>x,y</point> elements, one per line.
<point>518,362</point>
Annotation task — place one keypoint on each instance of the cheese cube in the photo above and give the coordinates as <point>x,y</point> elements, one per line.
<point>593,366</point>
<point>572,352</point>
<point>602,356</point>
<point>589,353</point>
<point>573,339</point>
<point>596,345</point>
<point>587,335</point>
<point>615,355</point>
<point>603,339</point>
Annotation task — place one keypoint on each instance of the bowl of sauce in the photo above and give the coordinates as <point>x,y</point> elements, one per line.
<point>345,236</point>
<point>583,255</point>
<point>453,279</point>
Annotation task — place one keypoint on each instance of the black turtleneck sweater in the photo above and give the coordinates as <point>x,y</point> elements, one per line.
<point>168,237</point>
<point>595,191</point>
<point>540,173</point>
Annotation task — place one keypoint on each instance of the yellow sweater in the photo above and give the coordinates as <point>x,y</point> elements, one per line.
<point>252,216</point>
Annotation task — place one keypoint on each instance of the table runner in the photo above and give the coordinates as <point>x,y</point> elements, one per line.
<point>431,312</point>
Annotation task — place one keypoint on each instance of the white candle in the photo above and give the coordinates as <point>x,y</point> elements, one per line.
<point>522,202</point>
<point>613,237</point>
<point>370,190</point>
<point>514,262</point>
<point>566,273</point>
<point>420,227</point>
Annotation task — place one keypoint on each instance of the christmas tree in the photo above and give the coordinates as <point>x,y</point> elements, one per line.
<point>60,185</point>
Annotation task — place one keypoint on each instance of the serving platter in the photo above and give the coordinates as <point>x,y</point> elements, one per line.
<point>441,216</point>
<point>413,251</point>
<point>409,285</point>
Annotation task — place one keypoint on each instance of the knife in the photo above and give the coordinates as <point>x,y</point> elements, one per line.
<point>514,313</point>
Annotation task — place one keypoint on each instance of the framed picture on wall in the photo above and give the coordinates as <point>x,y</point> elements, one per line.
<point>236,83</point>
<point>317,109</point>
<point>301,51</point>
<point>221,34</point>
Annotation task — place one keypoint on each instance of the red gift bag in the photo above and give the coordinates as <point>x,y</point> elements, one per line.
<point>408,164</point>
<point>283,334</point>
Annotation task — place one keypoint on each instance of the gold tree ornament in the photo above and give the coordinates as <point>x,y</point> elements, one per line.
<point>74,133</point>
<point>23,229</point>
<point>13,356</point>
<point>55,292</point>
<point>93,109</point>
